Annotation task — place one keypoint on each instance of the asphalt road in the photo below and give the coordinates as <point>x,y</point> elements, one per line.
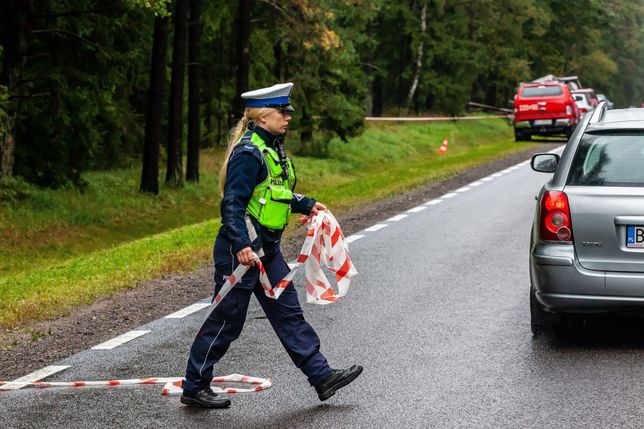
<point>439,318</point>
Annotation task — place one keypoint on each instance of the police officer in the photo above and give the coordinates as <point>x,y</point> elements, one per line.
<point>257,182</point>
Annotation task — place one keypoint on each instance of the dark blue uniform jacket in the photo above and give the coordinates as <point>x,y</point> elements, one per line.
<point>246,169</point>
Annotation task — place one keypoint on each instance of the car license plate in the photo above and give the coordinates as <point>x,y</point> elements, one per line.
<point>635,236</point>
<point>538,122</point>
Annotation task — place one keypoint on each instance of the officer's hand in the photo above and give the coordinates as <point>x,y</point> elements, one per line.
<point>317,208</point>
<point>245,257</point>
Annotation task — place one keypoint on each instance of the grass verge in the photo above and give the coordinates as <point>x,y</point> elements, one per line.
<point>77,247</point>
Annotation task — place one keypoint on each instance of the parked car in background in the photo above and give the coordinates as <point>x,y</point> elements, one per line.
<point>587,242</point>
<point>572,81</point>
<point>602,97</point>
<point>583,102</point>
<point>589,93</point>
<point>544,109</point>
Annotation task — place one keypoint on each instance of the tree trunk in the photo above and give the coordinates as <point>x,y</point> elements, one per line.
<point>377,96</point>
<point>368,69</point>
<point>278,55</point>
<point>242,54</point>
<point>306,130</point>
<point>174,170</point>
<point>15,21</point>
<point>194,88</point>
<point>419,56</point>
<point>151,142</point>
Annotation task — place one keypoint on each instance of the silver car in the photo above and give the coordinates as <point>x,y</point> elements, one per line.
<point>587,245</point>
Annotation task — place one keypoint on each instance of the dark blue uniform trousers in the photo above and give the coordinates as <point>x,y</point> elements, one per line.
<point>225,323</point>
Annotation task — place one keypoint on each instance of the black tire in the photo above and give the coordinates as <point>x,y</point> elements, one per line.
<point>519,136</point>
<point>541,320</point>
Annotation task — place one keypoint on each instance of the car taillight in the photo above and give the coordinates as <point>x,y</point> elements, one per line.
<point>555,217</point>
<point>568,110</point>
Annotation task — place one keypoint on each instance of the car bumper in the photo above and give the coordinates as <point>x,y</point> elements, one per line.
<point>554,122</point>
<point>562,285</point>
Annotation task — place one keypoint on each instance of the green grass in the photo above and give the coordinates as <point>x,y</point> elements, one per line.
<point>65,248</point>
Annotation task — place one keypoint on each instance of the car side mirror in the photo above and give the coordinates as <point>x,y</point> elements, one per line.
<point>545,162</point>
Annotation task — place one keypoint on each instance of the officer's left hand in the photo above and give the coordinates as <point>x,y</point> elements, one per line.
<point>317,208</point>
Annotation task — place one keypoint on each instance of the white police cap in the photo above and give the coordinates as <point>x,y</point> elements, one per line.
<point>276,96</point>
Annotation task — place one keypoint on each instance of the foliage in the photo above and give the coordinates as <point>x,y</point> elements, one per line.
<point>158,7</point>
<point>13,189</point>
<point>83,83</point>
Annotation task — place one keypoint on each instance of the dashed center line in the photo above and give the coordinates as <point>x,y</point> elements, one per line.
<point>21,382</point>
<point>121,339</point>
<point>187,310</point>
<point>416,209</point>
<point>397,218</point>
<point>376,227</point>
<point>433,202</point>
<point>354,237</point>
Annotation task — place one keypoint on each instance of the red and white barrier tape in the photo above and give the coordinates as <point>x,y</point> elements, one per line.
<point>172,385</point>
<point>324,243</point>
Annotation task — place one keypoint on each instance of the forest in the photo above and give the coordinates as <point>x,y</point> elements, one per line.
<point>95,85</point>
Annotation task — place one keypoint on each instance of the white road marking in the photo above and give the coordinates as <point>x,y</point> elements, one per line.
<point>354,237</point>
<point>463,189</point>
<point>450,195</point>
<point>187,310</point>
<point>487,179</point>
<point>433,202</point>
<point>21,382</point>
<point>121,339</point>
<point>497,174</point>
<point>416,209</point>
<point>475,184</point>
<point>397,218</point>
<point>376,227</point>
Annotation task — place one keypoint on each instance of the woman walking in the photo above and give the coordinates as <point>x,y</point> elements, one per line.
<point>257,181</point>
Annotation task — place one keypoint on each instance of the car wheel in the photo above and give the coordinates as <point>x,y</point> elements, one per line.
<point>519,136</point>
<point>541,320</point>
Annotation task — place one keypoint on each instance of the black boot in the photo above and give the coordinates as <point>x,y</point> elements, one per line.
<point>338,378</point>
<point>205,398</point>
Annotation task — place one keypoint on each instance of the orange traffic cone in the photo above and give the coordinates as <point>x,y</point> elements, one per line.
<point>443,148</point>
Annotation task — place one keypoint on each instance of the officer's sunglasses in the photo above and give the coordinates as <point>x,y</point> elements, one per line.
<point>285,112</point>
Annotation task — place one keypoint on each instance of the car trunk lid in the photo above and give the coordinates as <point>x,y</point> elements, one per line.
<point>601,217</point>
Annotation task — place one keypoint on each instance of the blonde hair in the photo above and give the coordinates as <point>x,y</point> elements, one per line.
<point>251,114</point>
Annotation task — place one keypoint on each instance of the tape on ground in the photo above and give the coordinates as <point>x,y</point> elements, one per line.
<point>171,385</point>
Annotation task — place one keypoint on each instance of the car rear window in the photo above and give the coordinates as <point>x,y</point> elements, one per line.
<point>541,91</point>
<point>609,160</point>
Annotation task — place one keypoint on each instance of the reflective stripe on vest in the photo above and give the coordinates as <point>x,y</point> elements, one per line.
<point>271,200</point>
